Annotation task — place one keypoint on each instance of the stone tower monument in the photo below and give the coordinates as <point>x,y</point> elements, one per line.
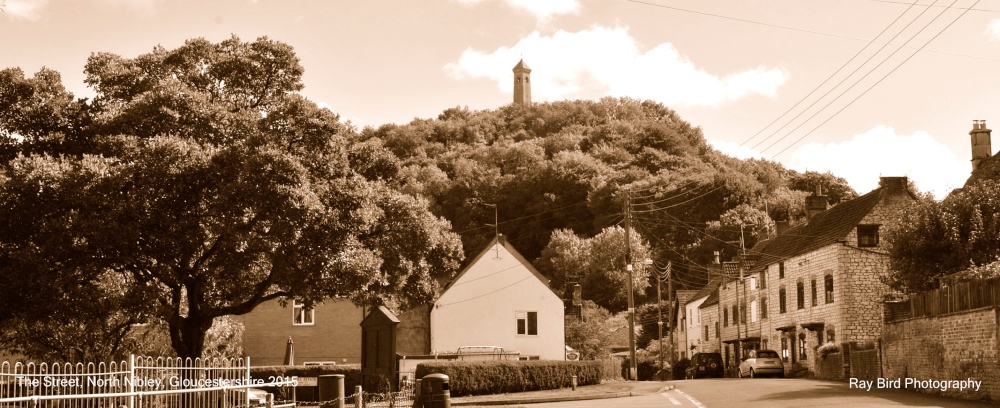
<point>522,83</point>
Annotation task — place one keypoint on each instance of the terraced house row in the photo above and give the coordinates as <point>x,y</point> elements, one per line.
<point>816,283</point>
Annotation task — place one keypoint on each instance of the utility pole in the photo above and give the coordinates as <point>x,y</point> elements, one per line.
<point>659,317</point>
<point>631,303</point>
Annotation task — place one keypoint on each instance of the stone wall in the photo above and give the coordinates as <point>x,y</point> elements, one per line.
<point>830,367</point>
<point>957,346</point>
<point>864,362</point>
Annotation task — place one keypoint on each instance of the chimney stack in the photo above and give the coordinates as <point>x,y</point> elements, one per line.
<point>894,184</point>
<point>816,203</point>
<point>981,148</point>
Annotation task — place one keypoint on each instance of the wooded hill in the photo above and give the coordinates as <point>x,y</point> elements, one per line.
<point>569,165</point>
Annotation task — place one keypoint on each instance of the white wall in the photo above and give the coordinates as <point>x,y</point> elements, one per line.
<point>479,309</point>
<point>694,326</point>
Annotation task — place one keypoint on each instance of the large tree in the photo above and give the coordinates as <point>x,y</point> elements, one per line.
<point>598,265</point>
<point>210,185</point>
<point>934,239</point>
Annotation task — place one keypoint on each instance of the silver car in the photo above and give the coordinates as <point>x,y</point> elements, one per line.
<point>760,363</point>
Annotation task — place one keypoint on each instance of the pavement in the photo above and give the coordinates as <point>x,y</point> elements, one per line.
<point>612,389</point>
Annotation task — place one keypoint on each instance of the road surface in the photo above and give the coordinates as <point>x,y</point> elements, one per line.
<point>766,392</point>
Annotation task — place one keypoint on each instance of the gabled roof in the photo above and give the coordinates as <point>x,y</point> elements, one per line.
<point>713,293</point>
<point>380,316</point>
<point>828,227</point>
<point>706,291</point>
<point>683,296</point>
<point>517,255</point>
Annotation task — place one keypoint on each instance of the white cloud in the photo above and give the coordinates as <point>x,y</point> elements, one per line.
<point>879,152</point>
<point>608,61</point>
<point>541,9</point>
<point>993,30</point>
<point>24,9</point>
<point>735,150</point>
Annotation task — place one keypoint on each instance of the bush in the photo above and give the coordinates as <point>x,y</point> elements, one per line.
<point>496,377</point>
<point>351,372</point>
<point>827,349</point>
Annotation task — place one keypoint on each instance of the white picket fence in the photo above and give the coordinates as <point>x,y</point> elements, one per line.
<point>141,382</point>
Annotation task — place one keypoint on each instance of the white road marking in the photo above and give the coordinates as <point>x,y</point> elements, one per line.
<point>690,398</point>
<point>672,399</point>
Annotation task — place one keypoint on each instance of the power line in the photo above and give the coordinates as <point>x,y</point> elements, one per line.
<point>934,5</point>
<point>818,87</point>
<point>876,83</point>
<point>743,20</point>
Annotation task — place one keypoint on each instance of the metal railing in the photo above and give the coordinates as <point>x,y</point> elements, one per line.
<point>141,382</point>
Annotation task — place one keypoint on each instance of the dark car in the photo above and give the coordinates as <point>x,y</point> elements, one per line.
<point>705,365</point>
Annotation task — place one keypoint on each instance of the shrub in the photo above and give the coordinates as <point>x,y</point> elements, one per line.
<point>495,377</point>
<point>827,349</point>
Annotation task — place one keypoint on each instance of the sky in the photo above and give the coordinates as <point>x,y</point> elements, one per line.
<point>860,88</point>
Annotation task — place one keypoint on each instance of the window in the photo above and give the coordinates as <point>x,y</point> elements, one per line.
<point>753,283</point>
<point>736,312</point>
<point>802,346</point>
<point>867,235</point>
<point>743,313</point>
<point>828,288</point>
<point>814,297</point>
<point>781,301</point>
<point>753,311</point>
<point>831,336</point>
<point>706,333</point>
<point>716,329</point>
<point>301,315</point>
<point>763,307</point>
<point>763,345</point>
<point>725,317</point>
<point>800,293</point>
<point>781,270</point>
<point>527,323</point>
<point>763,279</point>
<point>784,348</point>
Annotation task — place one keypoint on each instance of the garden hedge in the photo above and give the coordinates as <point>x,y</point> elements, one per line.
<point>496,377</point>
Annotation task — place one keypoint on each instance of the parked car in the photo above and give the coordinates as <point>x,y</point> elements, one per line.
<point>705,365</point>
<point>760,363</point>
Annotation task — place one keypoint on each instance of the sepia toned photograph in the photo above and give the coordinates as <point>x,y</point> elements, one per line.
<point>504,203</point>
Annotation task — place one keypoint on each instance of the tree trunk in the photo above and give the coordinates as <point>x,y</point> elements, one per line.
<point>187,336</point>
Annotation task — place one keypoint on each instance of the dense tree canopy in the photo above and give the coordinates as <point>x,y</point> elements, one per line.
<point>201,184</point>
<point>936,239</point>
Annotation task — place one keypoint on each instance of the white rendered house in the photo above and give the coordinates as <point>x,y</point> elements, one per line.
<point>500,299</point>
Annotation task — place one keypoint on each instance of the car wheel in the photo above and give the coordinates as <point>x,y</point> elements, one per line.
<point>739,373</point>
<point>751,373</point>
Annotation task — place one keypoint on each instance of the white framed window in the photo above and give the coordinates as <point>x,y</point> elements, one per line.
<point>753,283</point>
<point>301,315</point>
<point>753,311</point>
<point>527,323</point>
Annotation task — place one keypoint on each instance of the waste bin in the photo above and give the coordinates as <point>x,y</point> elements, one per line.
<point>435,392</point>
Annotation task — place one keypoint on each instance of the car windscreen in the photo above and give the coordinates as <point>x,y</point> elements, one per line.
<point>767,354</point>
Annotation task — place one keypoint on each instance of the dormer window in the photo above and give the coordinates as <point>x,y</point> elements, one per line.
<point>867,235</point>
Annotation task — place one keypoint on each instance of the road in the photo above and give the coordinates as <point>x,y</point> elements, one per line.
<point>770,393</point>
